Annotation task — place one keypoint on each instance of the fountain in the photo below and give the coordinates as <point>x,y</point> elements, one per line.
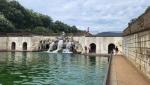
<point>63,44</point>
<point>69,47</point>
<point>51,46</point>
<point>59,46</point>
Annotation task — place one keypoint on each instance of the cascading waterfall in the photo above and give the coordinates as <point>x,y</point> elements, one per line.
<point>68,47</point>
<point>64,45</point>
<point>59,46</point>
<point>51,47</point>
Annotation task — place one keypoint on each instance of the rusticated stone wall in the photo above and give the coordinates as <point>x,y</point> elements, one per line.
<point>136,43</point>
<point>136,48</point>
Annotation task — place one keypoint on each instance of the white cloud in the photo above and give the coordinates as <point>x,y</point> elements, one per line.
<point>99,15</point>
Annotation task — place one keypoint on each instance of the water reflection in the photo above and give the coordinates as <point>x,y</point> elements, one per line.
<point>92,60</point>
<point>26,68</point>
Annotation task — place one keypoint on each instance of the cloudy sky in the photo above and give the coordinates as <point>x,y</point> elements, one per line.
<point>99,15</point>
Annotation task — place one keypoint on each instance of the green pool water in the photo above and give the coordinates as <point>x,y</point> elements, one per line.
<point>39,68</point>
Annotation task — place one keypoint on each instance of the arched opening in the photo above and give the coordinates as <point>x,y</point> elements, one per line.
<point>47,46</point>
<point>24,46</point>
<point>13,46</point>
<point>92,48</point>
<point>111,47</point>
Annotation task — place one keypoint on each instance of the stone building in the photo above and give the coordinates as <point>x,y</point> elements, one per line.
<point>136,42</point>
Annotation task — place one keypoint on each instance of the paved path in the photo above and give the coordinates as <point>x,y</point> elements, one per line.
<point>123,73</point>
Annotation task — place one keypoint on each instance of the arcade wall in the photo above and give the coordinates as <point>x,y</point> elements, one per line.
<point>101,43</point>
<point>34,43</point>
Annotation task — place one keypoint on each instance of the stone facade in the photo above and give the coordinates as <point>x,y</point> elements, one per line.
<point>136,43</point>
<point>3,43</point>
<point>101,43</point>
<point>34,43</point>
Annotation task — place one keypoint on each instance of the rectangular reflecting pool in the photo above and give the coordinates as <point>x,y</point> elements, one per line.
<point>40,68</point>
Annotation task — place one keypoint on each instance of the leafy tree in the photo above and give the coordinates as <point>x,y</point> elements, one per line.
<point>16,18</point>
<point>40,30</point>
<point>5,25</point>
<point>74,29</point>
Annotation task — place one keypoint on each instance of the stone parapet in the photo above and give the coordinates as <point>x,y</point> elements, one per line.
<point>142,23</point>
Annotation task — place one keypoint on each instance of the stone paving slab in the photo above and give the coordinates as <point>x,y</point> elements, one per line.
<point>123,73</point>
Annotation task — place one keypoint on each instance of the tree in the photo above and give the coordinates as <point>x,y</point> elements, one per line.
<point>40,30</point>
<point>74,29</point>
<point>5,25</point>
<point>21,19</point>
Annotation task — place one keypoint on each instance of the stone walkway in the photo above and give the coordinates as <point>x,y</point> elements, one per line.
<point>123,73</point>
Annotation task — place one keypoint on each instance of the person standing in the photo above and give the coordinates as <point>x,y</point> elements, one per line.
<point>116,49</point>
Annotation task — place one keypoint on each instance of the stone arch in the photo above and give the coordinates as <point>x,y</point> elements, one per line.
<point>24,46</point>
<point>13,46</point>
<point>111,47</point>
<point>92,48</point>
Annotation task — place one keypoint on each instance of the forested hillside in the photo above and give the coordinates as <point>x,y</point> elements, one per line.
<point>15,18</point>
